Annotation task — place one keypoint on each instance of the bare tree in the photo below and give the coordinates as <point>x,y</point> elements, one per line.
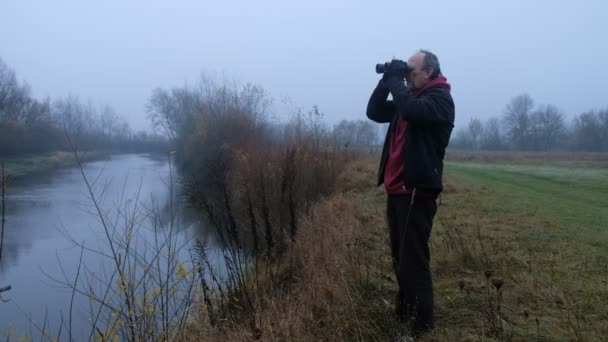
<point>517,120</point>
<point>161,111</point>
<point>547,128</point>
<point>122,132</point>
<point>367,133</point>
<point>475,129</point>
<point>343,133</point>
<point>108,120</point>
<point>461,140</point>
<point>355,133</point>
<point>69,115</point>
<point>29,125</point>
<point>491,138</point>
<point>38,112</point>
<point>173,111</point>
<point>590,131</point>
<point>256,100</point>
<point>602,118</point>
<point>14,98</point>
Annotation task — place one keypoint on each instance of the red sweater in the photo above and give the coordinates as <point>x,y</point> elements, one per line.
<point>395,165</point>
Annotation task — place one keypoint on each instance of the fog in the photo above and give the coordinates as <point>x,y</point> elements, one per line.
<point>311,52</point>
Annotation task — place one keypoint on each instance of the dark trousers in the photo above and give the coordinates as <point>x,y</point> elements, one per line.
<point>410,224</point>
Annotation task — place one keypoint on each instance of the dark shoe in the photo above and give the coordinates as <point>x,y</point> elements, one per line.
<point>419,328</point>
<point>399,306</point>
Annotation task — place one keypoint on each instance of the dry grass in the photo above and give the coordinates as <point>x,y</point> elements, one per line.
<point>39,163</point>
<point>342,289</point>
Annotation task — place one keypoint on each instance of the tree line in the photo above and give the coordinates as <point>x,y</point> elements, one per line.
<point>30,125</point>
<point>529,127</point>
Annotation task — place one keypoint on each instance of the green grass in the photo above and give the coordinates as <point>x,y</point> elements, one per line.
<point>576,199</point>
<point>541,224</point>
<point>29,164</point>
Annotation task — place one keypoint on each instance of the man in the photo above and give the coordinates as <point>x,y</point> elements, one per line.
<point>421,118</point>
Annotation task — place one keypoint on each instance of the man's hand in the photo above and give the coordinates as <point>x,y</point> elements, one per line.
<point>397,69</point>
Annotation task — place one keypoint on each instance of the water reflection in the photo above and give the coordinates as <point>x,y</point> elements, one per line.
<point>49,215</point>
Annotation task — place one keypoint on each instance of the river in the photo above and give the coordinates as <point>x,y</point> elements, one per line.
<point>49,215</point>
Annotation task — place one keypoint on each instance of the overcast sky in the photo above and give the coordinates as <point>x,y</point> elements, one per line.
<point>314,52</point>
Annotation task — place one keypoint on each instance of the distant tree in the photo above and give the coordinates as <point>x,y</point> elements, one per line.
<point>68,113</point>
<point>29,125</point>
<point>517,120</point>
<point>122,132</point>
<point>602,116</point>
<point>547,128</point>
<point>475,128</point>
<point>8,87</point>
<point>108,121</point>
<point>38,113</point>
<point>90,118</point>
<point>255,100</point>
<point>491,138</point>
<point>161,112</point>
<point>14,97</point>
<point>461,140</point>
<point>366,133</point>
<point>355,133</point>
<point>173,111</point>
<point>343,132</point>
<point>590,131</point>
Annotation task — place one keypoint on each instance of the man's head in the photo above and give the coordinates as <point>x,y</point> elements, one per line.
<point>423,66</point>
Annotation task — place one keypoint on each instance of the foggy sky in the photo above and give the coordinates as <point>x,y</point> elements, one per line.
<point>314,52</point>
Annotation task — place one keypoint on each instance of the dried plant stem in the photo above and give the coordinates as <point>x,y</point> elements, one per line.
<point>3,181</point>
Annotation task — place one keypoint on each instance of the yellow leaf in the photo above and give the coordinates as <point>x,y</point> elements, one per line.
<point>182,271</point>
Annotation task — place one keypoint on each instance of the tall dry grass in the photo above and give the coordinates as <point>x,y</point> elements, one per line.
<point>299,257</point>
<point>330,283</point>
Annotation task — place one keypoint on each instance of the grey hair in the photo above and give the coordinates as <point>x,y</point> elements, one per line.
<point>431,61</point>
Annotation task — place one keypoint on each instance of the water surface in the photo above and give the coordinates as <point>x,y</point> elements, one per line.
<point>49,215</point>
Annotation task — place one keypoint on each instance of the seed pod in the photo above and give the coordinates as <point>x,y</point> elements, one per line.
<point>498,282</point>
<point>488,273</point>
<point>461,284</point>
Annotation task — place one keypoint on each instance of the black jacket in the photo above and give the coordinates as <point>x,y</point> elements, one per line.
<point>430,117</point>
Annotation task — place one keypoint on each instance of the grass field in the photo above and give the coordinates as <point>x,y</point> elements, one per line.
<point>538,221</point>
<point>37,163</point>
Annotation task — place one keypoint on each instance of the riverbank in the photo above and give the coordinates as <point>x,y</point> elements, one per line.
<point>340,287</point>
<point>517,254</point>
<point>17,167</point>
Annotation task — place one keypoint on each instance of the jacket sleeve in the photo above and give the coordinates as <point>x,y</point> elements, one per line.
<point>378,108</point>
<point>433,107</point>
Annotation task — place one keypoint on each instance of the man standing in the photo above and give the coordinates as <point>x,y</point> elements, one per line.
<point>421,117</point>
